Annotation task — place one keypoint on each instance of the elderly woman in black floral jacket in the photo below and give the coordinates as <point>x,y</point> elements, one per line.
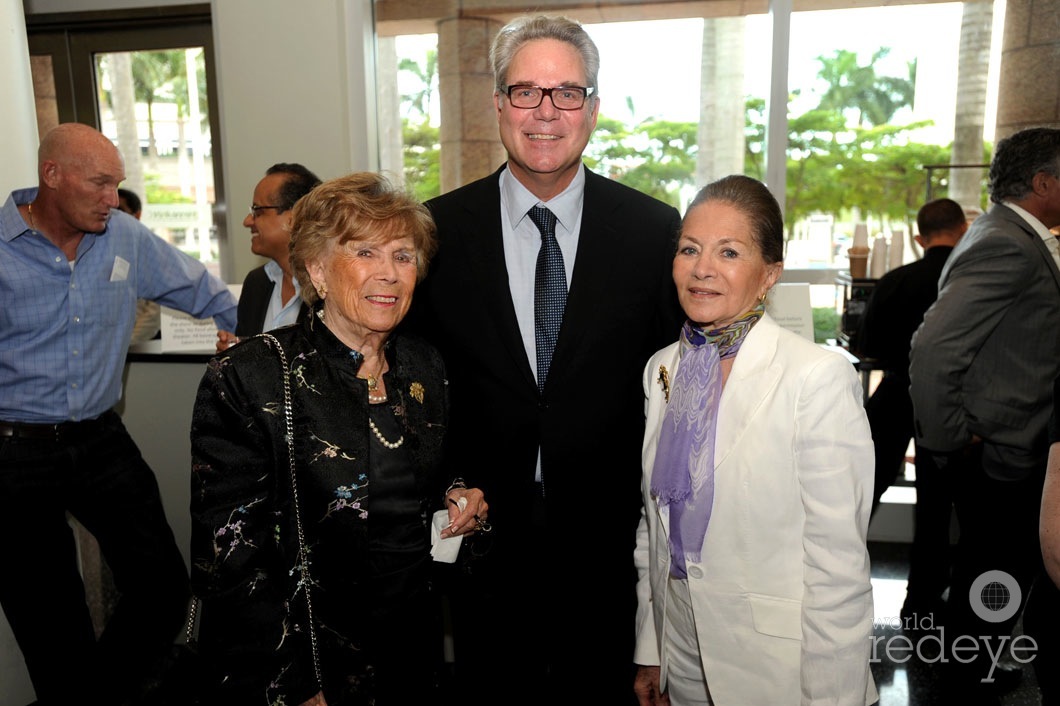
<point>356,621</point>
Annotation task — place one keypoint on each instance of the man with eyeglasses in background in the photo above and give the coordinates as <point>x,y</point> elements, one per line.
<point>547,407</point>
<point>263,305</point>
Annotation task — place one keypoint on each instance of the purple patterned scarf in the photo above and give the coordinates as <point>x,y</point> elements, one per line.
<point>683,476</point>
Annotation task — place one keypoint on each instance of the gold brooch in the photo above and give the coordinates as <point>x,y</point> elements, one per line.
<point>664,380</point>
<point>416,390</point>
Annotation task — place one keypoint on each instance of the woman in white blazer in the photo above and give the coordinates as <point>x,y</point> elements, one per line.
<point>758,470</point>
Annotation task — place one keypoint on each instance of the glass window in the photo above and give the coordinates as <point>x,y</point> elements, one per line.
<point>881,101</point>
<point>154,105</point>
<point>145,79</point>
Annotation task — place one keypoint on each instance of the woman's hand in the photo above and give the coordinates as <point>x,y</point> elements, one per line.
<point>317,700</point>
<point>472,518</point>
<point>646,687</point>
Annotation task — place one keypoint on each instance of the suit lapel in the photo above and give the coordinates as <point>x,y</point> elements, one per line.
<point>1016,219</point>
<point>483,246</point>
<point>599,244</point>
<point>753,375</point>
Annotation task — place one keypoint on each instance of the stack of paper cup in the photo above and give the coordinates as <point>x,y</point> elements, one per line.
<point>859,261</point>
<point>878,259</point>
<point>861,236</point>
<point>859,252</point>
<point>896,250</point>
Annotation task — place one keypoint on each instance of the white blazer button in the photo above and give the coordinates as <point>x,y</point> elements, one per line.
<point>695,572</point>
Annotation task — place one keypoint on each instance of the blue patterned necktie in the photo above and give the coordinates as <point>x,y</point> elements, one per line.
<point>550,291</point>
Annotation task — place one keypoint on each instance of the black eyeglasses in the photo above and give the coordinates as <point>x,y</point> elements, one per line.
<point>255,211</point>
<point>563,97</point>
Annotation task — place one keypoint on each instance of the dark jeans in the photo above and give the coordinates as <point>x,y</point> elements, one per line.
<point>102,480</point>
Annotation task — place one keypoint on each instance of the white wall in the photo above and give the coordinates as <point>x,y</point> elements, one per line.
<point>18,154</point>
<point>295,84</point>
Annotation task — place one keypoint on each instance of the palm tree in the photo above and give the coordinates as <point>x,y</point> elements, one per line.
<point>721,114</point>
<point>428,76</point>
<point>118,65</point>
<point>153,74</point>
<point>852,86</point>
<point>973,61</point>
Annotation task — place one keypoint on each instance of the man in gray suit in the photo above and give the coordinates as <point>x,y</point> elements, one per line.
<point>982,368</point>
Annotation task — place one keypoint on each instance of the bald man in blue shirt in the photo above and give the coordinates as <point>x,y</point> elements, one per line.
<point>72,267</point>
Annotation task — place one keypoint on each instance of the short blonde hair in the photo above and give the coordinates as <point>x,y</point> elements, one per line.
<point>359,206</point>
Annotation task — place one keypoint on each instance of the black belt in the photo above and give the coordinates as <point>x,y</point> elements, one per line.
<point>59,433</point>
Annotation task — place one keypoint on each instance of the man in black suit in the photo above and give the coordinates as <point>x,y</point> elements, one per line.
<point>262,305</point>
<point>555,446</point>
<point>982,367</point>
<point>894,312</point>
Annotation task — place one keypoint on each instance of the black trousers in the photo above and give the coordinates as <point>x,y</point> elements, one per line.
<point>1041,621</point>
<point>101,479</point>
<point>930,556</point>
<point>890,415</point>
<point>998,555</point>
<point>545,617</point>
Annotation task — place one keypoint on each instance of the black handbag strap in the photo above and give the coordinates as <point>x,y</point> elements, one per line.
<point>303,553</point>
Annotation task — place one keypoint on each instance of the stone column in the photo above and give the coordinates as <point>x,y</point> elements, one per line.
<point>1028,91</point>
<point>470,144</point>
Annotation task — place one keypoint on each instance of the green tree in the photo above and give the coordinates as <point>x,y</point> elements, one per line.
<point>420,140</point>
<point>835,169</point>
<point>852,86</point>
<point>422,158</point>
<point>153,75</point>
<point>656,157</point>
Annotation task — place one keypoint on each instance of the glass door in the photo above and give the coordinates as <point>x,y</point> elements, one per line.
<point>147,82</point>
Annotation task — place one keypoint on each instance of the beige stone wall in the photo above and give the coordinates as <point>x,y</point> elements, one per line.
<point>471,146</point>
<point>1029,83</point>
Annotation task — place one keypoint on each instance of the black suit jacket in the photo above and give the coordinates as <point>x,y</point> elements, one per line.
<point>897,307</point>
<point>254,303</point>
<point>589,422</point>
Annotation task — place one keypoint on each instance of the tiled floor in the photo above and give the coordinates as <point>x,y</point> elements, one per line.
<point>914,682</point>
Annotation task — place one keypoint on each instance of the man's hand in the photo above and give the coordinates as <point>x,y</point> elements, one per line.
<point>646,687</point>
<point>225,340</point>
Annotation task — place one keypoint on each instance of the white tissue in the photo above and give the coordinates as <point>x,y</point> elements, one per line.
<point>445,550</point>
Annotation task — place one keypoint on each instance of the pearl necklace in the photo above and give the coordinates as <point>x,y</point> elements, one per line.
<point>382,439</point>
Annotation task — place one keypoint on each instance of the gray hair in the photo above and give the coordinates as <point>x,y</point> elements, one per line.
<point>526,29</point>
<point>1018,158</point>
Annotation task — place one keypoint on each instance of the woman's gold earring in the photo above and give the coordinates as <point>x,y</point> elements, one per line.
<point>322,290</point>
